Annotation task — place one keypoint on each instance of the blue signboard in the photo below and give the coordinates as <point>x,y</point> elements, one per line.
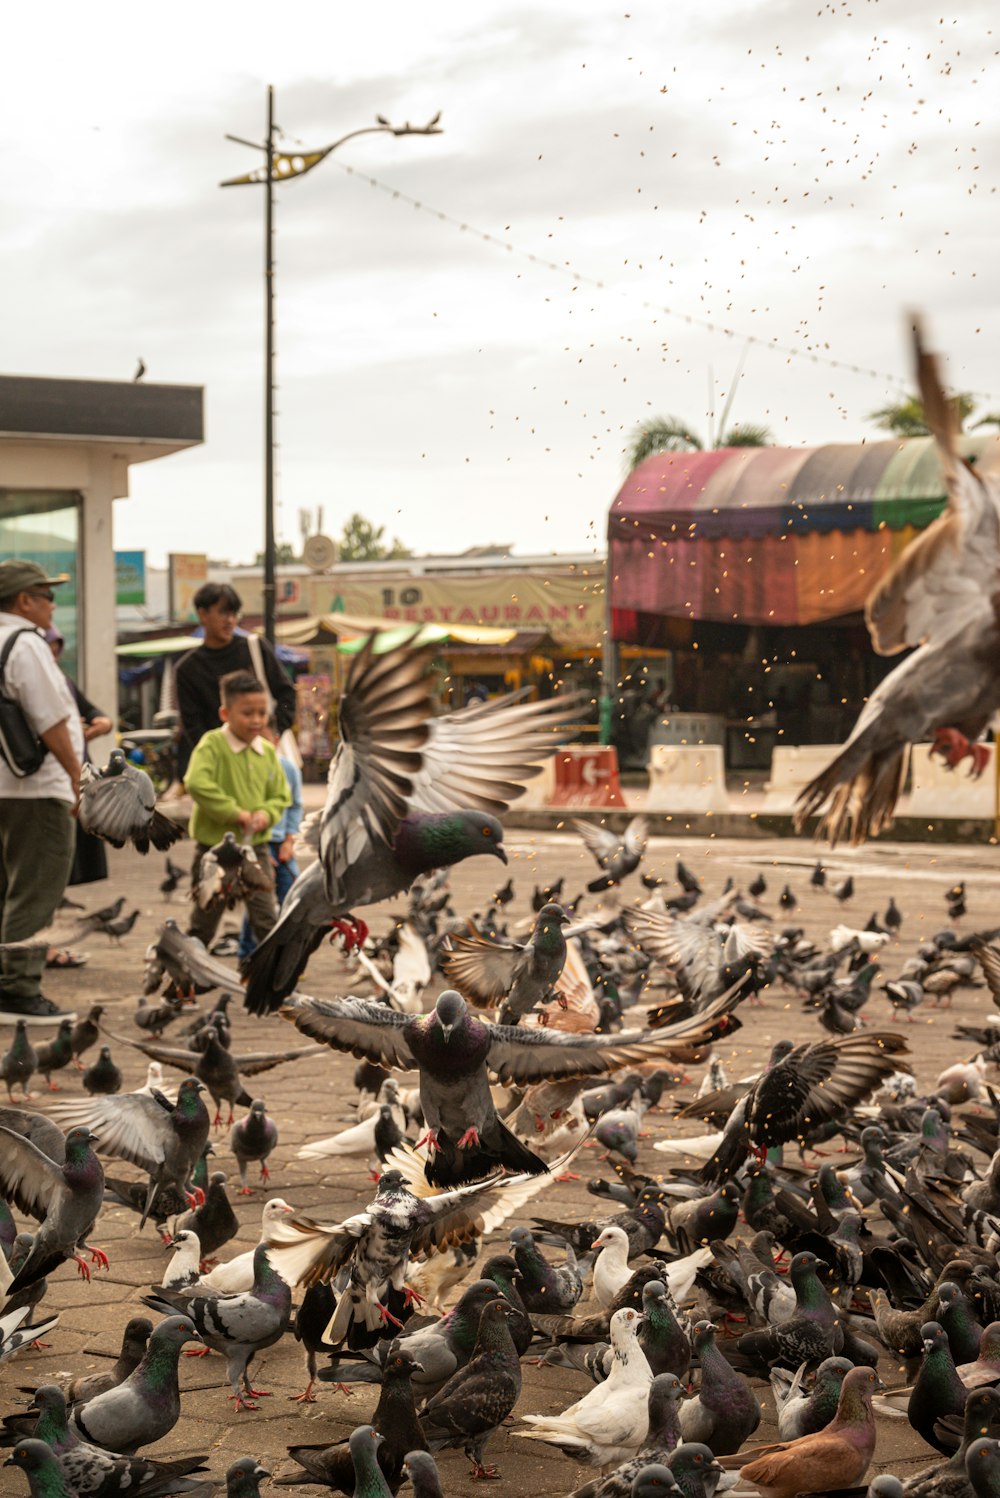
<point>130,577</point>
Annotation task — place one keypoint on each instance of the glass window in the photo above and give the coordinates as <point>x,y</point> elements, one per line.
<point>43,526</point>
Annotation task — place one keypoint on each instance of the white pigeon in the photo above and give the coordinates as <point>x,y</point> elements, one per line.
<point>411,972</point>
<point>359,1139</point>
<point>698,1146</point>
<point>611,1271</point>
<point>866,941</point>
<point>155,1081</point>
<point>714,1079</point>
<point>185,1265</point>
<point>236,1274</point>
<point>611,1421</point>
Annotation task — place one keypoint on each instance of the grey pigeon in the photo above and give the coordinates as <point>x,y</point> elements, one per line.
<point>407,792</point>
<point>43,1469</point>
<point>517,976</point>
<point>55,1054</point>
<point>252,1139</point>
<point>164,1140</point>
<point>478,1398</point>
<point>543,1286</point>
<point>618,856</point>
<point>118,804</point>
<point>695,1470</point>
<point>421,1472</point>
<point>724,1413</point>
<point>87,1031</point>
<point>18,1063</point>
<point>243,1478</point>
<point>217,1067</point>
<point>364,1444</point>
<point>91,1470</point>
<point>452,1049</point>
<point>227,874</point>
<point>65,1197</point>
<point>134,1339</point>
<point>238,1326</point>
<point>103,1076</point>
<point>187,962</point>
<point>145,1406</point>
<point>213,1222</point>
<point>802,1411</point>
<point>439,1348</point>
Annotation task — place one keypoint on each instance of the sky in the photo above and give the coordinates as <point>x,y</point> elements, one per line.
<point>800,173</point>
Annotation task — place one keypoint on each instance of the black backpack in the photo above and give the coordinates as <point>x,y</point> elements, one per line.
<point>21,749</point>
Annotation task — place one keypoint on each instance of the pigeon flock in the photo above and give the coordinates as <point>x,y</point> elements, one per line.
<point>648,1180</point>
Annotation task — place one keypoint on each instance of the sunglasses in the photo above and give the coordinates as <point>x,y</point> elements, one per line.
<point>45,593</point>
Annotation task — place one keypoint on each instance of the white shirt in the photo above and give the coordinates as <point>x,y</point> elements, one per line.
<point>33,679</point>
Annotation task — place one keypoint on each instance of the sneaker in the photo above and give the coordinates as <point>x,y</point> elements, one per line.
<point>34,1011</point>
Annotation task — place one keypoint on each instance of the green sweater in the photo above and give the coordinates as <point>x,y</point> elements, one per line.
<point>222,783</point>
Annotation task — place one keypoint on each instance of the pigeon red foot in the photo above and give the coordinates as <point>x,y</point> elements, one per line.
<point>353,933</point>
<point>412,1297</point>
<point>954,747</point>
<point>430,1139</point>
<point>468,1139</point>
<point>387,1316</point>
<point>307,1396</point>
<point>480,1472</point>
<point>195,1198</point>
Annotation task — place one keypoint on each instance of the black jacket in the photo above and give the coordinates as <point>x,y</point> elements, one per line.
<point>198,676</point>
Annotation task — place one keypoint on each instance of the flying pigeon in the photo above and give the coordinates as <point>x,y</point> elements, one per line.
<point>942,597</point>
<point>63,1195</point>
<point>517,976</point>
<point>227,874</point>
<point>408,792</point>
<point>618,856</point>
<point>452,1048</point>
<point>118,804</point>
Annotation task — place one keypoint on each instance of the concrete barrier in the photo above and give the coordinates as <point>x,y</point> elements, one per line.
<point>687,778</point>
<point>538,792</point>
<point>792,768</point>
<point>938,792</point>
<point>586,776</point>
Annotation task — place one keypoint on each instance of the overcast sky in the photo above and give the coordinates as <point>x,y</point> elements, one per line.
<point>796,170</point>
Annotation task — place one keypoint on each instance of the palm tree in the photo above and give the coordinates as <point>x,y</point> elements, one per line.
<point>906,417</point>
<point>671,435</point>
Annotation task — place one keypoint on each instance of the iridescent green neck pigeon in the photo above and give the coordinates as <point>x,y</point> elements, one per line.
<point>517,976</point>
<point>938,1391</point>
<point>65,1196</point>
<point>147,1405</point>
<point>454,1051</point>
<point>407,792</point>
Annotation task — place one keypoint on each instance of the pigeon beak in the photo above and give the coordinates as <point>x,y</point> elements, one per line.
<point>500,851</point>
<point>261,1472</point>
<point>170,1243</point>
<point>446,1032</point>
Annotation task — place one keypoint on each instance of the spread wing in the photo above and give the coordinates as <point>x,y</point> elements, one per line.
<point>411,963</point>
<point>384,726</point>
<point>307,1252</point>
<point>115,806</point>
<point>988,958</point>
<point>602,843</point>
<point>520,1055</point>
<point>636,836</point>
<point>481,969</point>
<point>192,958</point>
<point>691,949</point>
<point>27,1177</point>
<point>946,576</point>
<point>356,1025</point>
<point>819,1082</point>
<point>129,1127</point>
<point>480,757</point>
<point>168,1055</point>
<point>255,1062</point>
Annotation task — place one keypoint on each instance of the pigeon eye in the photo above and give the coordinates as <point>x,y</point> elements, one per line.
<point>487,832</point>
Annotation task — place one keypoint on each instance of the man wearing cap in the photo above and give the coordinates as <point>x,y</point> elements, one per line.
<point>37,829</point>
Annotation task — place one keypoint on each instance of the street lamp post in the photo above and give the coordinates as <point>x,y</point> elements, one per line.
<point>281,166</point>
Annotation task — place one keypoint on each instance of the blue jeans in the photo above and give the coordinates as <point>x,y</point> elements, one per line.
<point>285,875</point>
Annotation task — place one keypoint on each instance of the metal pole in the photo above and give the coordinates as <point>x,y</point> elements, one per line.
<point>269,578</point>
<point>607,703</point>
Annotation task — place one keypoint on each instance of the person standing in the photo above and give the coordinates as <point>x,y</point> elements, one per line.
<point>221,652</point>
<point>90,860</point>
<point>282,843</point>
<point>37,828</point>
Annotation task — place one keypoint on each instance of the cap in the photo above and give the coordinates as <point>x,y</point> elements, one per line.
<point>18,576</point>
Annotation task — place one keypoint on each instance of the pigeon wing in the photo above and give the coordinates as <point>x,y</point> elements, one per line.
<point>306,1252</point>
<point>113,807</point>
<point>384,726</point>
<point>520,1055</point>
<point>989,960</point>
<point>481,969</point>
<point>365,1029</point>
<point>946,576</point>
<point>691,949</point>
<point>129,1127</point>
<point>602,843</point>
<point>255,1062</point>
<point>481,757</point>
<point>27,1177</point>
<point>191,956</point>
<point>818,1082</point>
<point>636,834</point>
<point>168,1055</point>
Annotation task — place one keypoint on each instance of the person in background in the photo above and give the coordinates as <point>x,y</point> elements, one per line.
<point>90,860</point>
<point>282,844</point>
<point>36,811</point>
<point>238,786</point>
<point>223,650</point>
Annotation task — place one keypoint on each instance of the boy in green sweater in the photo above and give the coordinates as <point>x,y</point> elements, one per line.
<point>237,785</point>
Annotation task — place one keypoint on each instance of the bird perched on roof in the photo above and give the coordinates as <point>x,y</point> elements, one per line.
<point>227,874</point>
<point>836,1457</point>
<point>609,1423</point>
<point>451,1047</point>
<point>408,792</point>
<point>517,976</point>
<point>64,1195</point>
<point>240,1325</point>
<point>816,1082</point>
<point>166,1141</point>
<point>476,1400</point>
<point>118,804</point>
<point>942,596</point>
<point>617,855</point>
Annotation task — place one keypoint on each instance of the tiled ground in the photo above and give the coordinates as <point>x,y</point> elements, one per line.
<point>312,1098</point>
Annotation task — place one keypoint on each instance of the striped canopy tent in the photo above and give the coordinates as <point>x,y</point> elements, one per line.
<point>769,535</point>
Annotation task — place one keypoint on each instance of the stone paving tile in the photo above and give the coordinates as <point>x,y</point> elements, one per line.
<point>314,1097</point>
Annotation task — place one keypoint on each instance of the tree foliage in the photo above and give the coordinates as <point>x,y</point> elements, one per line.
<point>906,418</point>
<point>670,434</point>
<point>284,553</point>
<point>361,541</point>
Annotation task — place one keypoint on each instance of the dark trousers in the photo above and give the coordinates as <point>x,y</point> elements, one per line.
<point>262,911</point>
<point>36,854</point>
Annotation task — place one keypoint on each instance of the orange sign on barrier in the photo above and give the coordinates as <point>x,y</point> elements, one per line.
<point>586,776</point>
